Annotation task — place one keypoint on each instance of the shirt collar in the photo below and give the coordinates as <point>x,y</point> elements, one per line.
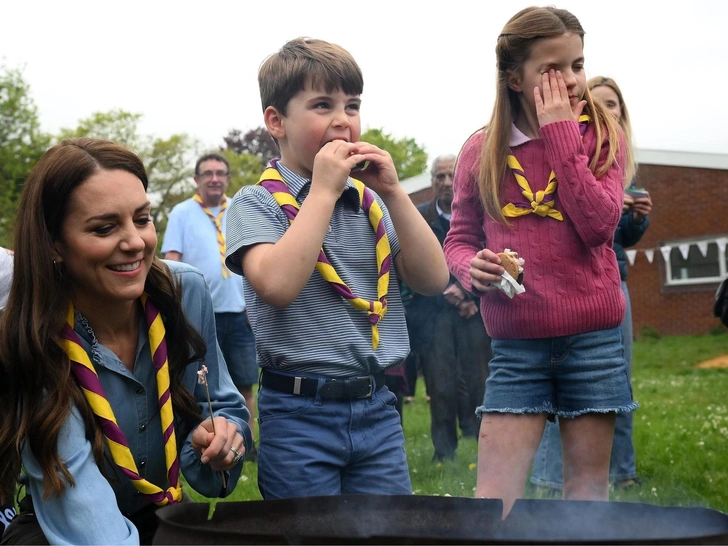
<point>440,213</point>
<point>517,137</point>
<point>297,183</point>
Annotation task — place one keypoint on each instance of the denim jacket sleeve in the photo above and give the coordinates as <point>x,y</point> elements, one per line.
<point>226,399</point>
<point>86,513</point>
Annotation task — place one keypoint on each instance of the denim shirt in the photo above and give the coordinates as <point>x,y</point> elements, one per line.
<point>94,510</point>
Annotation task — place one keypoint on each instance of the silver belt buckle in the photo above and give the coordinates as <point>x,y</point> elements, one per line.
<point>371,386</point>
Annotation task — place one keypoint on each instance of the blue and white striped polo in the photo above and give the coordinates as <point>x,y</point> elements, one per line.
<point>320,332</point>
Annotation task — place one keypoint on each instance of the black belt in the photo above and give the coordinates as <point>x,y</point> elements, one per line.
<point>332,389</point>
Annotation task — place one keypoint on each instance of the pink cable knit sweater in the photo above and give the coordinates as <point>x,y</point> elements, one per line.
<point>570,274</point>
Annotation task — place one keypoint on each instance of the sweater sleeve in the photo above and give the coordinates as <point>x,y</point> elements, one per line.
<point>593,204</point>
<point>466,236</point>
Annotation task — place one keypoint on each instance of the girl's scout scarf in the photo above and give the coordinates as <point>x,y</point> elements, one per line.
<point>87,378</point>
<point>217,221</point>
<point>542,202</point>
<point>272,181</point>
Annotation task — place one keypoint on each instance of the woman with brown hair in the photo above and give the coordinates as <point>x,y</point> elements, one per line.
<point>100,347</point>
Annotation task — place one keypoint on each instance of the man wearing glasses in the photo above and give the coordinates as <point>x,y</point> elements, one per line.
<point>196,235</point>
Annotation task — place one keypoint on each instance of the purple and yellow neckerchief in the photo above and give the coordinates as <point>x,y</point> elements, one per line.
<point>542,202</point>
<point>272,181</point>
<point>88,379</point>
<point>217,221</point>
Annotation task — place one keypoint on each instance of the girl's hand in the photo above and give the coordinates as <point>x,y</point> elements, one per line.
<point>485,269</point>
<point>556,102</point>
<point>380,175</point>
<point>216,448</point>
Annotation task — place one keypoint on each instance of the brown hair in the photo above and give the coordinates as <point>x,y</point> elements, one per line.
<point>38,390</point>
<point>306,60</point>
<point>624,122</point>
<point>512,50</point>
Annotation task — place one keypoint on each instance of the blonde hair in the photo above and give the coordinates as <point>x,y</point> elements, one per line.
<point>624,122</point>
<point>512,50</point>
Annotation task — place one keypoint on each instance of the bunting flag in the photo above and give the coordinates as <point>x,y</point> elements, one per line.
<point>631,254</point>
<point>684,248</point>
<point>703,247</point>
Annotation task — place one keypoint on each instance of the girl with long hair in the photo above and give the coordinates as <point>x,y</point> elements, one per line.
<point>544,178</point>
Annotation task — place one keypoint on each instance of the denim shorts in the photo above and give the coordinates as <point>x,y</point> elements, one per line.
<point>565,376</point>
<point>237,343</point>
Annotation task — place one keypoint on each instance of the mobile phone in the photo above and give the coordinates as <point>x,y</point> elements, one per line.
<point>636,193</point>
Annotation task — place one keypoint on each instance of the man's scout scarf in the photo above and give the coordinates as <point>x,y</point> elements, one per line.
<point>272,181</point>
<point>217,220</point>
<point>542,202</point>
<point>87,378</point>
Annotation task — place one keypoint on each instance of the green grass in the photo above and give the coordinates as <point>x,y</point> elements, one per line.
<point>680,432</point>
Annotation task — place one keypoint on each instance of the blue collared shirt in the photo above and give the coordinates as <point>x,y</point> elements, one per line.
<point>92,512</point>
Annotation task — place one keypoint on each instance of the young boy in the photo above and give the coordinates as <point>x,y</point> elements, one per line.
<point>322,288</point>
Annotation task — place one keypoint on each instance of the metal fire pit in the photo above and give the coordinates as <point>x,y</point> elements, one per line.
<point>372,519</point>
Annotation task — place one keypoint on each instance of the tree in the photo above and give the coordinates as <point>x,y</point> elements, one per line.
<point>245,170</point>
<point>22,143</point>
<point>410,159</point>
<point>169,162</point>
<point>257,142</point>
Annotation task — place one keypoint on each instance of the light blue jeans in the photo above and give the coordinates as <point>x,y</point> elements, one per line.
<point>311,446</point>
<point>547,470</point>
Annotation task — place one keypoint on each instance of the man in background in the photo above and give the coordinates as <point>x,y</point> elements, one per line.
<point>449,335</point>
<point>196,235</point>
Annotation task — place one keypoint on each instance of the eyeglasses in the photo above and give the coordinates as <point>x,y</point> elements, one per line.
<point>441,177</point>
<point>207,175</point>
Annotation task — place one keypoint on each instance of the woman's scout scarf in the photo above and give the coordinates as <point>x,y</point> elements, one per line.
<point>272,181</point>
<point>87,378</point>
<point>542,203</point>
<point>217,221</point>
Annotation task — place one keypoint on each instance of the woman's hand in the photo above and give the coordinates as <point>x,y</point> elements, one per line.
<point>642,207</point>
<point>218,448</point>
<point>485,269</point>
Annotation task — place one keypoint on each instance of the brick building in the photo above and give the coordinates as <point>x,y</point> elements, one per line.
<point>681,259</point>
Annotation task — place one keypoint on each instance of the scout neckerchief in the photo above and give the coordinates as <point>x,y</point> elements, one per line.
<point>542,202</point>
<point>272,181</point>
<point>217,221</point>
<point>87,378</point>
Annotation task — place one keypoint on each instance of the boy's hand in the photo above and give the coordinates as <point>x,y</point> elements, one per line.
<point>556,104</point>
<point>485,269</point>
<point>380,175</point>
<point>332,165</point>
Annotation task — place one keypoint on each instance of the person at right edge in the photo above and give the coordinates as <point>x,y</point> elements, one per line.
<point>544,178</point>
<point>547,470</point>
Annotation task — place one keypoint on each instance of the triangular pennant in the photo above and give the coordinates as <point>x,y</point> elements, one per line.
<point>666,253</point>
<point>650,254</point>
<point>684,250</point>
<point>721,242</point>
<point>703,247</point>
<point>630,256</point>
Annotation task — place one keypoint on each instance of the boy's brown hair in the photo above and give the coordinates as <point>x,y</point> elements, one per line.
<point>307,60</point>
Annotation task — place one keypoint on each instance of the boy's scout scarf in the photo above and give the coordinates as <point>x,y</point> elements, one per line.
<point>272,181</point>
